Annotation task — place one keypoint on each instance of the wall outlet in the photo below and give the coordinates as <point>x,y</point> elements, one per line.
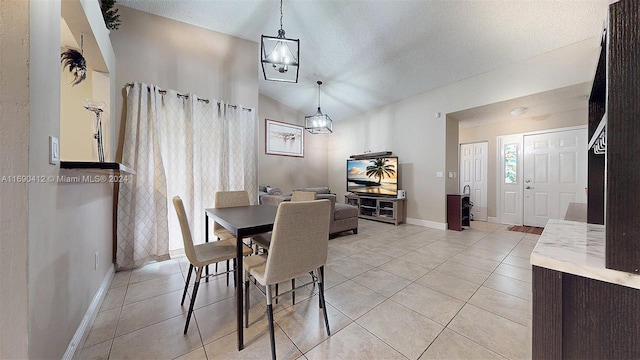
<point>96,258</point>
<point>54,150</point>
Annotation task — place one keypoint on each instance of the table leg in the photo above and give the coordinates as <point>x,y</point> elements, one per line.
<point>239,290</point>
<point>206,240</point>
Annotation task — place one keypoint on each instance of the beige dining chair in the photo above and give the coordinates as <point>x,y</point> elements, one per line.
<point>299,245</point>
<point>200,256</point>
<point>224,199</point>
<point>263,240</point>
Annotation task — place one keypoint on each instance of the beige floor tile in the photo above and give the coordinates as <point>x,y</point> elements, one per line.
<point>523,249</point>
<point>509,285</point>
<point>96,352</point>
<point>494,332</point>
<point>518,261</point>
<point>197,354</point>
<point>392,250</point>
<point>121,278</point>
<point>385,321</point>
<point>453,346</point>
<point>449,285</point>
<point>150,288</point>
<point>514,272</point>
<point>503,304</point>
<point>407,270</point>
<point>353,343</point>
<point>427,260</point>
<point>353,299</point>
<point>464,272</point>
<point>435,305</point>
<point>150,311</point>
<point>382,282</point>
<point>256,344</point>
<point>304,323</point>
<point>348,267</point>
<point>213,291</point>
<point>103,328</point>
<point>154,270</point>
<point>114,298</point>
<point>332,278</point>
<point>497,255</point>
<point>218,320</point>
<point>335,254</point>
<point>476,262</point>
<point>163,340</point>
<point>372,257</point>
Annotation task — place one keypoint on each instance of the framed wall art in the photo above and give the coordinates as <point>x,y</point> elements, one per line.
<point>283,139</point>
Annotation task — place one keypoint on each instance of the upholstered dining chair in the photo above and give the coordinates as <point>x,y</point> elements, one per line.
<point>200,255</point>
<point>224,199</point>
<point>263,240</point>
<point>299,245</point>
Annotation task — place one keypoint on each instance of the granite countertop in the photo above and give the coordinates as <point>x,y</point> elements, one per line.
<point>578,248</point>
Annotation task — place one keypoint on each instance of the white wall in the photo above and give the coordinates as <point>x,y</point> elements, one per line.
<point>286,172</point>
<point>182,57</point>
<point>68,223</point>
<point>410,129</point>
<point>14,160</point>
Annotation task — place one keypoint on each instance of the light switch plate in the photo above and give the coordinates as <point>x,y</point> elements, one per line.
<point>54,150</point>
<point>439,174</point>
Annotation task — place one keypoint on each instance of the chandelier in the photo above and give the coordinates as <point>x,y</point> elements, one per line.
<point>318,123</point>
<point>280,56</point>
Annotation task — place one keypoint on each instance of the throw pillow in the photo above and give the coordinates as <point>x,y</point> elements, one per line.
<point>274,191</point>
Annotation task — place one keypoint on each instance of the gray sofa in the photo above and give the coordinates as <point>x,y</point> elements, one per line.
<point>343,217</point>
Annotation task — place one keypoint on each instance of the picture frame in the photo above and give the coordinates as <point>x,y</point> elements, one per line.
<point>283,139</point>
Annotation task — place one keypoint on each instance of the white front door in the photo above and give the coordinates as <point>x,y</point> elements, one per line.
<point>473,176</point>
<point>554,174</point>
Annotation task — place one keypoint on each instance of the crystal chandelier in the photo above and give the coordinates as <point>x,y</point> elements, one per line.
<point>318,123</point>
<point>280,56</point>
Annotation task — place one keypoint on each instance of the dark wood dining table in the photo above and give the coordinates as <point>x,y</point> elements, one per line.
<point>242,221</point>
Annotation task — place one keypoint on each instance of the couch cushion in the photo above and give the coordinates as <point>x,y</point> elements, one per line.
<point>344,211</point>
<point>317,190</point>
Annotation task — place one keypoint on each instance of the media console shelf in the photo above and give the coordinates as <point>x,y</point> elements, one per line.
<point>378,208</point>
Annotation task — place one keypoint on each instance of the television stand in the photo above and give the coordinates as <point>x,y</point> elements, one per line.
<point>379,208</point>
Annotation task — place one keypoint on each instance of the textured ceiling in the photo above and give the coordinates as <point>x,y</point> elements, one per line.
<point>370,53</point>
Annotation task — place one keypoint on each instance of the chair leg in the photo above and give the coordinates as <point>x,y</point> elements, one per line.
<point>272,336</point>
<point>193,298</point>
<point>186,284</point>
<point>276,294</point>
<point>227,271</point>
<point>323,304</point>
<point>235,268</point>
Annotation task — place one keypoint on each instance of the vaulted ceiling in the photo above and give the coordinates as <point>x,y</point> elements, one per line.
<point>370,53</point>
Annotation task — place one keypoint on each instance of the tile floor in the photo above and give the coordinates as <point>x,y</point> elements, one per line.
<point>393,292</point>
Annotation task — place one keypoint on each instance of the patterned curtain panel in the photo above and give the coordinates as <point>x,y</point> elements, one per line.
<point>187,147</point>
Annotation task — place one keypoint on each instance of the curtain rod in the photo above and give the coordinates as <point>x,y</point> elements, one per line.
<point>187,96</point>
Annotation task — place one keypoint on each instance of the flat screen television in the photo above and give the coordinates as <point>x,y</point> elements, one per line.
<point>377,176</point>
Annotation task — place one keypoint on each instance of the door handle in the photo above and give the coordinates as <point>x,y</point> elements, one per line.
<point>529,187</point>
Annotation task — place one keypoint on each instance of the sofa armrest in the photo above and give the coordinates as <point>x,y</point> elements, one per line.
<point>332,198</point>
<point>275,200</point>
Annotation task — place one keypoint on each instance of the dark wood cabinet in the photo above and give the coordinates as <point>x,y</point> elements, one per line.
<point>458,211</point>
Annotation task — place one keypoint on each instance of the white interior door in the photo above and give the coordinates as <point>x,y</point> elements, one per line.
<point>473,173</point>
<point>554,174</point>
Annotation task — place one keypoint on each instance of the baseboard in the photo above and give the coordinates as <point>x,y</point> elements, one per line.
<point>85,325</point>
<point>426,223</point>
<point>493,220</point>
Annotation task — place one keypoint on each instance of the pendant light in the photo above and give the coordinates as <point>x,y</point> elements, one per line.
<point>280,56</point>
<point>318,123</point>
